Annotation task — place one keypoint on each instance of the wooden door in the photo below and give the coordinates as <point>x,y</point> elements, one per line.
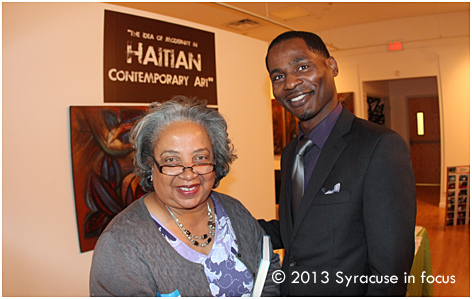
<point>425,148</point>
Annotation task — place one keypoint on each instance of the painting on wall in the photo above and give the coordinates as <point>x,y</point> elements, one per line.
<point>104,182</point>
<point>347,99</point>
<point>285,127</point>
<point>278,127</point>
<point>376,110</point>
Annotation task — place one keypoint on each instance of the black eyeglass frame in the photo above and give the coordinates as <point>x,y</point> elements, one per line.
<point>183,168</point>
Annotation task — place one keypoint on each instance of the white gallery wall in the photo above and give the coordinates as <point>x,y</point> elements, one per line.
<point>53,58</point>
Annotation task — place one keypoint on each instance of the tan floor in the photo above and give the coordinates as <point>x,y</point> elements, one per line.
<point>450,245</point>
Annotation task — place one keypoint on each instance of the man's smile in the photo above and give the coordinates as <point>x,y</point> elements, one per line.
<point>299,99</point>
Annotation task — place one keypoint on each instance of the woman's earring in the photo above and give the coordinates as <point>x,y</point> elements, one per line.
<point>152,177</point>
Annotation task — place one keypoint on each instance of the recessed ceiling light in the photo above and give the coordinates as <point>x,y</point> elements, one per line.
<point>290,13</point>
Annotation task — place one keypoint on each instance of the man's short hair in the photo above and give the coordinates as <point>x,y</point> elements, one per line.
<point>313,42</point>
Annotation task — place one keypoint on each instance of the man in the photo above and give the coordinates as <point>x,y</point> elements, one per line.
<point>350,231</point>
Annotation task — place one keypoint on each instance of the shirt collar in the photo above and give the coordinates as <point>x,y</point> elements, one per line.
<point>319,134</point>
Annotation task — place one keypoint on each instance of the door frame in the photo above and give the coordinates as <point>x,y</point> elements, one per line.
<point>363,114</point>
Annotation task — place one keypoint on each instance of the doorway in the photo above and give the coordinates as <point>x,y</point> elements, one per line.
<point>403,99</point>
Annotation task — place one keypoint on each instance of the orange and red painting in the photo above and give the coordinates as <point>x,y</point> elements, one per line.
<point>104,182</point>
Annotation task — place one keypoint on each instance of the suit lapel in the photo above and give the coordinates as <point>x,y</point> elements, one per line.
<point>285,204</point>
<point>332,149</point>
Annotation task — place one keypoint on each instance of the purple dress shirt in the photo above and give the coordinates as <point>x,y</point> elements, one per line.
<point>318,135</point>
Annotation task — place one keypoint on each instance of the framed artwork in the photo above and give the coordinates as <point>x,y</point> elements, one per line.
<point>278,127</point>
<point>347,99</point>
<point>104,182</point>
<point>376,110</point>
<point>285,127</point>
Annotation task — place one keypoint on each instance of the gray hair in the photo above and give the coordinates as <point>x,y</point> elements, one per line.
<point>145,134</point>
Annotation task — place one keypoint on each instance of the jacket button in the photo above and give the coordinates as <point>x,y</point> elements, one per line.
<point>239,254</point>
<point>293,264</point>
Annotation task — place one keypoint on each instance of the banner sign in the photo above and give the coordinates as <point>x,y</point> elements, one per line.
<point>147,60</point>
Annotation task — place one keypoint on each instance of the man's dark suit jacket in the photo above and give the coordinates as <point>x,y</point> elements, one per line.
<point>365,229</point>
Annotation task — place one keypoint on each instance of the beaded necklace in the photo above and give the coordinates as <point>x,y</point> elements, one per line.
<point>192,238</point>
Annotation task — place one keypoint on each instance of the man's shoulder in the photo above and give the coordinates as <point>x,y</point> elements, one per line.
<point>369,128</point>
<point>367,134</point>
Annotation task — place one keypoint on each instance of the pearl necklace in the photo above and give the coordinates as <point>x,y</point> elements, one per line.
<point>188,234</point>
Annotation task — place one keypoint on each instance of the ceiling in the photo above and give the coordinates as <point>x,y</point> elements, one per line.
<point>266,20</point>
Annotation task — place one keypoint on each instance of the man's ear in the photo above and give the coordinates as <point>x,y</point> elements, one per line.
<point>333,65</point>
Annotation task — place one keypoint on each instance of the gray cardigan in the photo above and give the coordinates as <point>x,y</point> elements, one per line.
<point>132,258</point>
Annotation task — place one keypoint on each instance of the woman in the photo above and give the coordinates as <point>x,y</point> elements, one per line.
<point>181,238</point>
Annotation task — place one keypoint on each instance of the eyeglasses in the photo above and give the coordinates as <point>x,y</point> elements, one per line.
<point>175,170</point>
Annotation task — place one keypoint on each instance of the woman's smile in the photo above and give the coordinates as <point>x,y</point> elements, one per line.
<point>189,190</point>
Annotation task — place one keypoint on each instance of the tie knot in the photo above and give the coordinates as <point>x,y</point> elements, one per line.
<point>304,146</point>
